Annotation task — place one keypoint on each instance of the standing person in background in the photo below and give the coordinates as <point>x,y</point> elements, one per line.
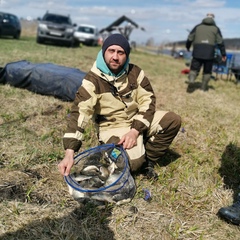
<point>119,98</point>
<point>204,37</point>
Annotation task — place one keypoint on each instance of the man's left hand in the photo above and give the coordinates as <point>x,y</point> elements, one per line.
<point>129,140</point>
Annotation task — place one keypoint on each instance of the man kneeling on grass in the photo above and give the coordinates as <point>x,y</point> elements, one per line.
<point>120,99</point>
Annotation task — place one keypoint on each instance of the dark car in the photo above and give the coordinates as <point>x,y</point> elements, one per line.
<point>9,25</point>
<point>56,28</point>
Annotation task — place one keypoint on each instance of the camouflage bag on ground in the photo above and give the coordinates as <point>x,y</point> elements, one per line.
<point>102,173</point>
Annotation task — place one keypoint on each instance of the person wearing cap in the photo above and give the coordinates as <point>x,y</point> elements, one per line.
<point>120,99</point>
<point>204,37</point>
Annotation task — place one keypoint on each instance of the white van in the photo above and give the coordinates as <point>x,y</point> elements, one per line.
<point>87,34</point>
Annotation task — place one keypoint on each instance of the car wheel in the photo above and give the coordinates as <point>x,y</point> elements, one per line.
<point>40,40</point>
<point>17,35</point>
<point>74,43</point>
<point>91,43</point>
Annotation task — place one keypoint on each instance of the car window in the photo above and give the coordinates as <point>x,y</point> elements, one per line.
<point>12,19</point>
<point>57,19</point>
<point>86,29</point>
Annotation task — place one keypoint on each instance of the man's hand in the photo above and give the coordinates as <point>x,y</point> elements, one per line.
<point>66,164</point>
<point>224,58</point>
<point>129,140</point>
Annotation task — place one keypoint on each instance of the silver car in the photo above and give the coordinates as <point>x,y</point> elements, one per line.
<point>55,28</point>
<point>87,35</point>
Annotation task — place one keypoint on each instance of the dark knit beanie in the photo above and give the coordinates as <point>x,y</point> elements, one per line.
<point>116,39</point>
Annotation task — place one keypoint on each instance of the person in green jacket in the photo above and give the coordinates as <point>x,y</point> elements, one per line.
<point>204,38</point>
<point>119,98</point>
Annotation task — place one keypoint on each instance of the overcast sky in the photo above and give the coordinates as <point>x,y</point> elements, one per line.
<point>164,20</point>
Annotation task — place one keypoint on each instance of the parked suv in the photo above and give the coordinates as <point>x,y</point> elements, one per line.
<point>87,34</point>
<point>9,25</point>
<point>56,28</point>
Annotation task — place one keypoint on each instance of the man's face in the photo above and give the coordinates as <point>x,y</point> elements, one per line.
<point>115,58</point>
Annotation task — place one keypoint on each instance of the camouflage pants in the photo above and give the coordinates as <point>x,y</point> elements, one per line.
<point>163,129</point>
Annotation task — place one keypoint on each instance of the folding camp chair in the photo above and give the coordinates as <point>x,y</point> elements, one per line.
<point>235,67</point>
<point>223,67</point>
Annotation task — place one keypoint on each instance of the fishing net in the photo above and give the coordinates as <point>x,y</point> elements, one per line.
<point>102,173</point>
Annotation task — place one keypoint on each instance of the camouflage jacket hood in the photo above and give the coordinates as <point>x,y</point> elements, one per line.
<point>208,21</point>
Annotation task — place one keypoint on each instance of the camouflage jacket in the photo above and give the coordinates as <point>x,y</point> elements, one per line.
<point>111,102</point>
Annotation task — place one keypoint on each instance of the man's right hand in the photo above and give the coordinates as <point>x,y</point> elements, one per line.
<point>66,164</point>
<point>224,58</point>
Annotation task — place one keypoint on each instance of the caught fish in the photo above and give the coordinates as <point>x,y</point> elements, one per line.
<point>120,164</point>
<point>120,196</point>
<point>107,158</point>
<point>112,167</point>
<point>101,197</point>
<point>112,178</point>
<point>90,170</point>
<point>92,183</point>
<point>97,182</point>
<point>104,173</point>
<point>80,178</point>
<point>75,194</point>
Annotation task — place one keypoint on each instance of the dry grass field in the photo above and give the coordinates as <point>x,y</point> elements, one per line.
<point>197,176</point>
